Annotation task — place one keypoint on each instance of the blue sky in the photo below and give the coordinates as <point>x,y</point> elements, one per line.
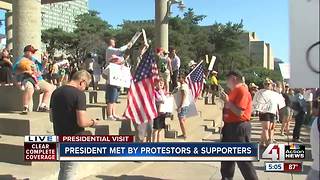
<point>268,18</point>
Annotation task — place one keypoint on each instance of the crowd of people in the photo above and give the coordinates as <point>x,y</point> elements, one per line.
<point>64,81</point>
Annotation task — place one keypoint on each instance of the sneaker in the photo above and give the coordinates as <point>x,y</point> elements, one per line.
<point>25,111</point>
<point>111,118</point>
<point>43,109</point>
<point>119,118</point>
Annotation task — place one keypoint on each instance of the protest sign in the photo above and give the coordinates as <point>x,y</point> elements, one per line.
<point>144,37</point>
<point>135,37</point>
<point>285,70</point>
<point>118,75</point>
<point>207,59</point>
<point>213,60</point>
<point>167,106</point>
<point>304,50</point>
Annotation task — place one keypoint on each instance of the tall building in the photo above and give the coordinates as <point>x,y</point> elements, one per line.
<point>257,50</point>
<point>62,14</point>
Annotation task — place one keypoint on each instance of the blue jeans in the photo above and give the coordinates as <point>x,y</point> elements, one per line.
<point>111,94</point>
<point>68,170</point>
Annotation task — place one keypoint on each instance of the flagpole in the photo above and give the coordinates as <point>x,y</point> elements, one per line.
<point>195,68</point>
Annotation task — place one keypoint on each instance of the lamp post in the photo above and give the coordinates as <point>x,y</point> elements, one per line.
<point>162,14</point>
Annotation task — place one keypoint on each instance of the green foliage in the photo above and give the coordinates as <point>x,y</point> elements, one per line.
<point>191,40</point>
<point>89,36</point>
<point>56,39</point>
<point>258,74</point>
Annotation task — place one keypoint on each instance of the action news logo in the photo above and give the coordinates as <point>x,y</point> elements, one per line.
<point>280,152</point>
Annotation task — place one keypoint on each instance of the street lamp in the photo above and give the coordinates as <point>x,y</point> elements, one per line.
<point>162,14</point>
<point>180,3</point>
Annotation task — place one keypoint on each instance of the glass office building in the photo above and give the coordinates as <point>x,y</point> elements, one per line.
<point>62,14</point>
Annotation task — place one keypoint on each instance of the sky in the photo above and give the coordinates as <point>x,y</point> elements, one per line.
<point>268,18</point>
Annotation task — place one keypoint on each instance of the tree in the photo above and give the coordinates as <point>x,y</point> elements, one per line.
<point>56,39</point>
<point>227,46</point>
<point>90,34</point>
<point>258,74</point>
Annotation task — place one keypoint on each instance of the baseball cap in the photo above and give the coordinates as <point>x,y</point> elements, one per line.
<point>253,85</point>
<point>191,63</point>
<point>30,48</point>
<point>268,81</point>
<point>158,50</point>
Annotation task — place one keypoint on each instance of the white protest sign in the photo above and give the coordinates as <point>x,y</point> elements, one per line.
<point>213,60</point>
<point>207,59</point>
<point>304,32</point>
<point>167,106</point>
<point>118,75</point>
<point>135,37</point>
<point>144,37</point>
<point>285,70</point>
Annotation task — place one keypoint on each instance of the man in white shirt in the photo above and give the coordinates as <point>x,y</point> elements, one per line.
<point>113,55</point>
<point>314,173</point>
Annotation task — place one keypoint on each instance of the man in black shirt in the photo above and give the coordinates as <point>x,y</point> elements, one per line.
<point>68,114</point>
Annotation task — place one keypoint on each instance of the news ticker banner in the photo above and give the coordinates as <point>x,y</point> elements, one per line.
<point>122,148</point>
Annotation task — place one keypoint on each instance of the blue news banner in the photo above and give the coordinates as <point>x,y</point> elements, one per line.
<point>158,152</point>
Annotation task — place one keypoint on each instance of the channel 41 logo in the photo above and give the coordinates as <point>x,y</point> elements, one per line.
<point>281,152</point>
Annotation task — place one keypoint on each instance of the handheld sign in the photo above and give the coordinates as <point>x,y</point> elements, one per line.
<point>285,70</point>
<point>135,37</point>
<point>304,52</point>
<point>144,37</point>
<point>117,75</point>
<point>167,106</point>
<point>207,59</point>
<point>213,60</point>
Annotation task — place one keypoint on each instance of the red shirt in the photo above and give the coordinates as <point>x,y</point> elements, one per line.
<point>241,98</point>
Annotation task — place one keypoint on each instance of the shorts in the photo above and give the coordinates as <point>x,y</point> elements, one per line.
<point>166,76</point>
<point>111,94</point>
<point>183,112</point>
<point>55,76</point>
<point>159,122</point>
<point>267,117</point>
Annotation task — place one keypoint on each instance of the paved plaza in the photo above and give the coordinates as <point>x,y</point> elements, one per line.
<point>14,126</point>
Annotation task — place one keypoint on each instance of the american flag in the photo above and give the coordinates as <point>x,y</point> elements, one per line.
<point>141,105</point>
<point>195,81</point>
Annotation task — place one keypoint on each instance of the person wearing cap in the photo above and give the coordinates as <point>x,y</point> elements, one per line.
<point>45,87</point>
<point>164,67</point>
<point>253,88</point>
<point>214,85</point>
<point>237,126</point>
<point>267,102</point>
<point>192,64</point>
